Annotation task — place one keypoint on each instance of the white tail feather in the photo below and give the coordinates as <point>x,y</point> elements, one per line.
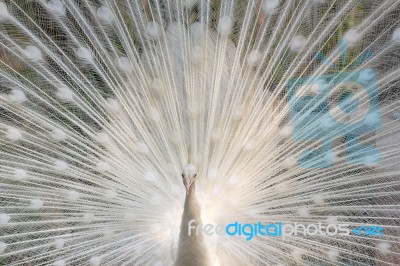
<point>103,102</point>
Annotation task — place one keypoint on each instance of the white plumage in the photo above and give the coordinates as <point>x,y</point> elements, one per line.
<point>103,104</point>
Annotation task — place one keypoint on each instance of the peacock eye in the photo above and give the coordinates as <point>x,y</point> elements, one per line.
<point>195,175</point>
<point>183,176</point>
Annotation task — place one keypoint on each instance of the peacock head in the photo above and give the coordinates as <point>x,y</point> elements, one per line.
<point>189,175</point>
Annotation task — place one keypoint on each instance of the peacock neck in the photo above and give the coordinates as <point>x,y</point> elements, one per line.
<point>191,212</point>
<point>192,250</point>
<point>192,208</point>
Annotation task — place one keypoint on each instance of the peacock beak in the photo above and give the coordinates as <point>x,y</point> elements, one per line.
<point>188,185</point>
